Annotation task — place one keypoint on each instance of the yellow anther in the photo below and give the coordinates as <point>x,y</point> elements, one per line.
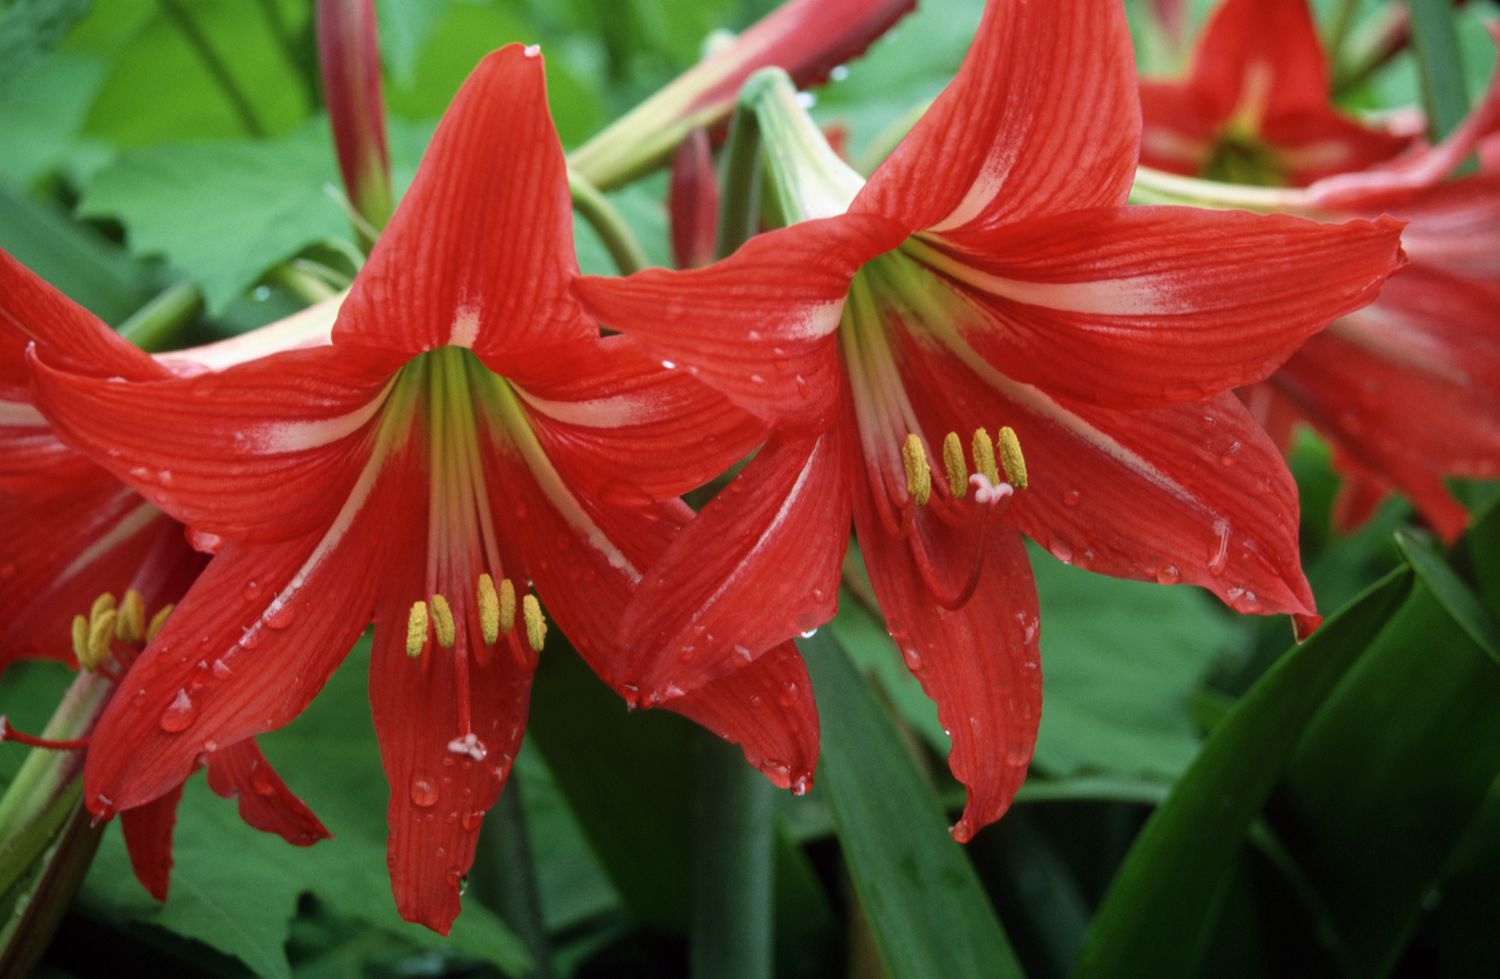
<point>507,604</point>
<point>536,626</point>
<point>953,461</point>
<point>984,456</point>
<point>442,621</point>
<point>104,603</point>
<point>416,629</point>
<point>157,621</point>
<point>489,609</point>
<point>1012,459</point>
<point>101,631</point>
<point>130,623</point>
<point>81,642</point>
<point>918,473</point>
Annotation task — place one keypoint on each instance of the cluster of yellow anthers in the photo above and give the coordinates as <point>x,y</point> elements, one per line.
<point>95,634</point>
<point>497,614</point>
<point>919,472</point>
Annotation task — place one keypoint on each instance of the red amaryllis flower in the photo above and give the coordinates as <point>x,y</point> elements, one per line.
<point>77,541</point>
<point>466,436</point>
<point>987,274</point>
<point>1254,107</point>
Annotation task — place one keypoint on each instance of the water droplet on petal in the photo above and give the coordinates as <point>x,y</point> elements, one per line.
<point>280,615</point>
<point>1168,574</point>
<point>1218,549</point>
<point>178,714</point>
<point>424,791</point>
<point>252,589</point>
<point>1072,498</point>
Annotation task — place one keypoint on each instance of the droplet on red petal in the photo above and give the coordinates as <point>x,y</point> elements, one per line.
<point>178,714</point>
<point>424,791</point>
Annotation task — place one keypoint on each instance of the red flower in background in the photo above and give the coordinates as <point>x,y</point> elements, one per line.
<point>1254,107</point>
<point>988,273</point>
<point>467,435</point>
<point>77,541</point>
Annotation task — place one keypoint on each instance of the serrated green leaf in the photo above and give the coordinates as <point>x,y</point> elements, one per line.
<point>928,912</point>
<point>1165,889</point>
<point>225,212</point>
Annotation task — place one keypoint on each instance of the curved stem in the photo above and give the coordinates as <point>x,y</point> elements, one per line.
<point>156,325</point>
<point>601,215</point>
<point>511,887</point>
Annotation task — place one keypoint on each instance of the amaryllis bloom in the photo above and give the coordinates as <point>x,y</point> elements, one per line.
<point>1255,107</point>
<point>467,452</point>
<point>93,569</point>
<point>987,277</point>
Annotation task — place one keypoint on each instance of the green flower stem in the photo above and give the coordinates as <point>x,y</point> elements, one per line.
<point>156,325</point>
<point>299,282</point>
<point>47,787</point>
<point>40,907</point>
<point>238,100</point>
<point>739,203</point>
<point>1435,40</point>
<point>508,882</point>
<point>601,215</point>
<point>1338,34</point>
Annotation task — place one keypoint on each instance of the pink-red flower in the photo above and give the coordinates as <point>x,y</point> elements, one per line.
<point>79,544</point>
<point>467,437</point>
<point>987,275</point>
<point>1255,107</point>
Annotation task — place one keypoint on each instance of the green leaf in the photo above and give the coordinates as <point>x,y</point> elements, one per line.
<point>1165,889</point>
<point>926,907</point>
<point>1435,42</point>
<point>29,29</point>
<point>42,112</point>
<point>1457,600</point>
<point>226,212</point>
<point>405,27</point>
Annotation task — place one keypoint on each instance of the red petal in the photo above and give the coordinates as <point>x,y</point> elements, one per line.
<point>757,325</point>
<point>441,785</point>
<point>1179,128</point>
<point>1318,143</point>
<point>760,564</point>
<point>241,771</point>
<point>694,202</point>
<point>247,649</point>
<point>1264,52</point>
<point>1142,306</point>
<point>978,662</point>
<point>480,251</point>
<point>767,708</point>
<point>1359,497</point>
<point>70,335</point>
<point>1193,492</point>
<point>623,429</point>
<point>266,449</point>
<point>148,840</point>
<point>1042,117</point>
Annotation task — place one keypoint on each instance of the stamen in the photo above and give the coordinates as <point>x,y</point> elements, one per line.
<point>984,456</point>
<point>81,642</point>
<point>105,602</point>
<point>1012,459</point>
<point>130,624</point>
<point>416,629</point>
<point>157,621</point>
<point>8,733</point>
<point>918,472</point>
<point>101,632</point>
<point>953,461</point>
<point>507,604</point>
<point>442,622</point>
<point>536,626</point>
<point>489,609</point>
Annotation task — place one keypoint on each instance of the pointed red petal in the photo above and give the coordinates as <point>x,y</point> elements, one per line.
<point>148,840</point>
<point>767,708</point>
<point>1142,306</point>
<point>626,431</point>
<point>1193,492</point>
<point>241,771</point>
<point>694,202</point>
<point>1179,128</point>
<point>1359,497</point>
<point>760,564</point>
<point>266,449</point>
<point>442,782</point>
<point>757,325</point>
<point>1042,117</point>
<point>1318,143</point>
<point>69,334</point>
<point>978,662</point>
<point>480,250</point>
<point>245,651</point>
<point>1262,52</point>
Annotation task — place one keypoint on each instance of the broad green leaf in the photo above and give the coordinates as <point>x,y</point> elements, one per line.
<point>41,113</point>
<point>224,212</point>
<point>1457,600</point>
<point>928,912</point>
<point>405,27</point>
<point>1165,889</point>
<point>29,29</point>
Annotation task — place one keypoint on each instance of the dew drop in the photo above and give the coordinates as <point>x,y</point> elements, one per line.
<point>204,542</point>
<point>1168,574</point>
<point>280,615</point>
<point>424,791</point>
<point>1072,498</point>
<point>178,714</point>
<point>220,668</point>
<point>809,633</point>
<point>1218,550</point>
<point>913,659</point>
<point>252,589</point>
<point>261,781</point>
<point>470,820</point>
<point>1229,454</point>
